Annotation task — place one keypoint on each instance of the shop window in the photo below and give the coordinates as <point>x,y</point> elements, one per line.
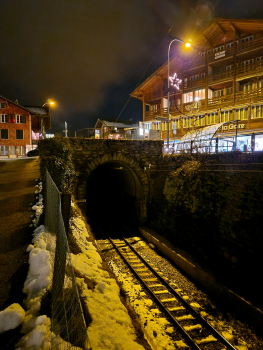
<point>244,143</point>
<point>4,134</point>
<point>4,150</point>
<point>21,119</point>
<point>188,97</point>
<point>12,150</point>
<point>2,105</point>
<point>259,143</point>
<point>257,112</point>
<point>19,134</point>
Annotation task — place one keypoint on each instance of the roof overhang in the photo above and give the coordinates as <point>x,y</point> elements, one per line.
<point>201,137</point>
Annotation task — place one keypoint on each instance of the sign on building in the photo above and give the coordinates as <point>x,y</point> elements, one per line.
<point>220,54</point>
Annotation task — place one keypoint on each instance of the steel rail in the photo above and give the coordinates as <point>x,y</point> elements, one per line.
<point>172,291</point>
<point>167,312</point>
<point>213,330</point>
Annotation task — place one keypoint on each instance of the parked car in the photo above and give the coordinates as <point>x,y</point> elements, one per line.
<point>33,153</point>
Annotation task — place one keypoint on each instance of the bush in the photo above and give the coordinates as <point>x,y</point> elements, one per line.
<point>55,155</point>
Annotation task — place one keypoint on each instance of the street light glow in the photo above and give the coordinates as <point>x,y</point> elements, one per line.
<point>188,43</point>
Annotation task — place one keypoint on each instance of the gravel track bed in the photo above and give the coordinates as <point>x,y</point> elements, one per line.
<point>239,334</point>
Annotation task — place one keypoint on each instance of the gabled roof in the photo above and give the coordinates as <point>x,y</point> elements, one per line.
<point>222,25</point>
<point>206,36</point>
<point>43,111</point>
<point>114,124</point>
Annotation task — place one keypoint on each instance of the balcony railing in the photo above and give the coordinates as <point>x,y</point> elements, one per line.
<point>241,48</point>
<point>252,96</point>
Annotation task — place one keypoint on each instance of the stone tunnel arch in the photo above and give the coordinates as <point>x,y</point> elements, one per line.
<point>115,182</point>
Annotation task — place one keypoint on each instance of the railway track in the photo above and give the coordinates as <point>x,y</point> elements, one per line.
<point>198,333</point>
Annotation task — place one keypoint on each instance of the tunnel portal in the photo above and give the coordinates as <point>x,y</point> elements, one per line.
<point>114,193</point>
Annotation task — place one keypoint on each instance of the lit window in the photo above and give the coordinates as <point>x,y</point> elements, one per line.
<point>188,97</point>
<point>242,113</point>
<point>200,94</point>
<point>212,118</point>
<point>257,112</point>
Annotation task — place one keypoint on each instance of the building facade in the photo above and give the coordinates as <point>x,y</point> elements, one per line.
<point>21,127</point>
<point>216,91</point>
<point>105,129</point>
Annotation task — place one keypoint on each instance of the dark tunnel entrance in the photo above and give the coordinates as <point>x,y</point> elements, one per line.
<point>113,195</point>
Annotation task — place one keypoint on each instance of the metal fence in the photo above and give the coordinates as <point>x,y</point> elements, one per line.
<point>68,325</point>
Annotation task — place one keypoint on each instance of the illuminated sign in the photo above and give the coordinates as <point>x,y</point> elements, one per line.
<point>97,133</point>
<point>232,126</point>
<point>220,54</point>
<point>175,81</point>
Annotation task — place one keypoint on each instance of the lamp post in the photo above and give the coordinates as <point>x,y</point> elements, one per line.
<point>188,44</point>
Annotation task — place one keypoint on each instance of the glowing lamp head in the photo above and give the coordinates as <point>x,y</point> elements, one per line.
<point>188,43</point>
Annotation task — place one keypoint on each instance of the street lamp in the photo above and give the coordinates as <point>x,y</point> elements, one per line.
<point>187,44</point>
<point>49,102</point>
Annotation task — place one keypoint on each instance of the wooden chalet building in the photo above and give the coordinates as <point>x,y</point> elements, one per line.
<point>216,90</point>
<point>21,127</point>
<point>105,129</point>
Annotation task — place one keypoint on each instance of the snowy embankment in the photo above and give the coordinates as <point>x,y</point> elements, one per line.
<point>34,326</point>
<point>111,327</point>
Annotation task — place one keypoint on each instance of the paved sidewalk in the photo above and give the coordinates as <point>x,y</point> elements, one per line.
<point>17,187</point>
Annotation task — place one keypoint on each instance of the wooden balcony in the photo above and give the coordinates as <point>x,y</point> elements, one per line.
<point>240,49</point>
<point>241,97</point>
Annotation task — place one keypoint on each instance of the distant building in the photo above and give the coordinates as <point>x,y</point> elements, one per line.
<point>105,129</point>
<point>21,127</point>
<point>216,91</point>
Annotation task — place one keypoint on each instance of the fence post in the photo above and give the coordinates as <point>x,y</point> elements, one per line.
<point>65,209</point>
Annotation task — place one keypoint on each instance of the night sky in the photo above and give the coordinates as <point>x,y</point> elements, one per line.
<point>89,55</point>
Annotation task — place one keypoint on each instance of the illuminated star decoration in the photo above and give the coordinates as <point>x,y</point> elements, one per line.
<point>175,81</point>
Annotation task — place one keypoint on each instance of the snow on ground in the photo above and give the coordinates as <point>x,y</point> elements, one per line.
<point>36,327</point>
<point>111,327</point>
<point>11,317</point>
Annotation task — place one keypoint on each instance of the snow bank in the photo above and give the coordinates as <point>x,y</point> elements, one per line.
<point>36,327</point>
<point>38,207</point>
<point>40,266</point>
<point>111,326</point>
<point>11,317</point>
